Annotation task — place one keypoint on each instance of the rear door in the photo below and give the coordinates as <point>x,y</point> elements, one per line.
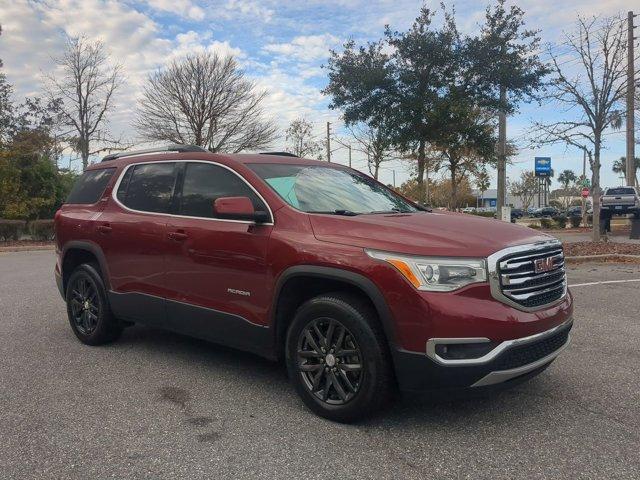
<point>133,231</point>
<point>216,268</point>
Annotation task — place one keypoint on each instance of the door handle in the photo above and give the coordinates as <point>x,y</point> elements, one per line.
<point>178,236</point>
<point>106,228</point>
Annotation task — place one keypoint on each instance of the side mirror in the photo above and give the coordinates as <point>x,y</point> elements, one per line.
<point>238,208</point>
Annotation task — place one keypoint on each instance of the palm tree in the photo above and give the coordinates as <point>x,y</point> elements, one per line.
<point>620,167</point>
<point>566,178</point>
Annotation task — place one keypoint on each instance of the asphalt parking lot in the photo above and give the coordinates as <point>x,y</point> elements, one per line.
<point>159,405</point>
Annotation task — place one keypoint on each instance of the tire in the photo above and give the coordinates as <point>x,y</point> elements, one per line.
<point>329,382</point>
<point>88,308</point>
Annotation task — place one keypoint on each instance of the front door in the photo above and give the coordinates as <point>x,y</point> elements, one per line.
<point>216,268</point>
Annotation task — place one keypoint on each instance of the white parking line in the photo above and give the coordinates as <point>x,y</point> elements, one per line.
<point>604,282</point>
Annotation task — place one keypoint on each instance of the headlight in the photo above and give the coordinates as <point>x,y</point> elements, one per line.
<point>436,274</point>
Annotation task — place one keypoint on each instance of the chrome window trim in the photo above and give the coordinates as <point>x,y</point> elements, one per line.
<point>488,357</point>
<point>114,193</point>
<point>494,276</point>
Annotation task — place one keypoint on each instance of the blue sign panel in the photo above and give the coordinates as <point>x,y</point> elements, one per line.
<point>493,203</point>
<point>543,166</point>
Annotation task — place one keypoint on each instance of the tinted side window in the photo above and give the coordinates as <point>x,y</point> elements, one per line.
<point>204,183</point>
<point>150,187</point>
<point>621,191</point>
<point>90,186</point>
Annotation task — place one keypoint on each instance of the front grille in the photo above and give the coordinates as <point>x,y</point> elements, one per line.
<point>520,283</point>
<point>526,354</point>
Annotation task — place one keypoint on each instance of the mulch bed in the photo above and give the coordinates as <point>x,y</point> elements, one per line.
<point>574,249</point>
<point>25,245</point>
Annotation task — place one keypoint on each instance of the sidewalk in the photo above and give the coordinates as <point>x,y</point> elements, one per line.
<point>571,237</point>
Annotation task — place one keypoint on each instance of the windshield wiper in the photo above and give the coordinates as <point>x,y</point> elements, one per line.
<point>346,213</point>
<point>383,212</point>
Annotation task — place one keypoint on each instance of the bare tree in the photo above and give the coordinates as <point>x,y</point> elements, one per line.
<point>301,141</point>
<point>592,94</point>
<point>376,143</point>
<point>204,99</point>
<point>85,85</point>
<point>525,188</point>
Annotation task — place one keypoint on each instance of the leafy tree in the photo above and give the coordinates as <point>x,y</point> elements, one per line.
<point>482,180</point>
<point>301,141</point>
<point>506,69</point>
<point>400,80</point>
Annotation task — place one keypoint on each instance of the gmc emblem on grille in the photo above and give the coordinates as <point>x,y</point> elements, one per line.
<point>541,265</point>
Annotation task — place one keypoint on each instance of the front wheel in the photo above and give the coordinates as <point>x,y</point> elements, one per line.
<point>88,309</point>
<point>337,358</point>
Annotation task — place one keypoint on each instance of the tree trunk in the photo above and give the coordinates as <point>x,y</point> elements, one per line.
<point>84,153</point>
<point>595,185</point>
<point>502,153</point>
<point>454,187</point>
<point>376,170</point>
<point>421,168</point>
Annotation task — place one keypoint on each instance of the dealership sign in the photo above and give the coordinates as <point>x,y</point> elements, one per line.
<point>543,166</point>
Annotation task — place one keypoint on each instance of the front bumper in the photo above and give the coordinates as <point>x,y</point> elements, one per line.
<point>504,363</point>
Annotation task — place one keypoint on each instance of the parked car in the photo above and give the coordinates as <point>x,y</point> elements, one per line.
<point>357,289</point>
<point>574,211</point>
<point>468,209</point>
<point>515,214</point>
<point>546,212</point>
<point>620,201</point>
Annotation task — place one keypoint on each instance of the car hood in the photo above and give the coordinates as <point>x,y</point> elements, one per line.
<point>424,233</point>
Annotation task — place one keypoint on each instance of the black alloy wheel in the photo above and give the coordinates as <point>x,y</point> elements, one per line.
<point>338,358</point>
<point>84,305</point>
<point>329,361</point>
<point>88,307</point>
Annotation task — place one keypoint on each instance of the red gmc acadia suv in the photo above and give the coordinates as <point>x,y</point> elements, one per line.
<point>358,289</point>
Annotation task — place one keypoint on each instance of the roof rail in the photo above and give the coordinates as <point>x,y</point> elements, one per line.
<point>168,148</point>
<point>281,154</point>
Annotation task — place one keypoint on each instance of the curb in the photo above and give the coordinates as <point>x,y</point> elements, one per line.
<point>603,257</point>
<point>26,248</point>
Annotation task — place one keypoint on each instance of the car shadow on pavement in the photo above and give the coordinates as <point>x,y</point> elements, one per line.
<point>269,378</point>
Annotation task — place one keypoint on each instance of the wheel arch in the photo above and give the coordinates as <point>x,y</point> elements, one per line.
<point>77,252</point>
<point>289,295</point>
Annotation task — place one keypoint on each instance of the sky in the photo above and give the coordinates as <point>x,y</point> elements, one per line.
<point>281,45</point>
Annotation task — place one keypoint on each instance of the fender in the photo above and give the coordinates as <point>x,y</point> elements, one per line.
<point>92,248</point>
<point>347,276</point>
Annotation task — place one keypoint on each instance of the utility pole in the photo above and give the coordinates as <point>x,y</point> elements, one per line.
<point>349,147</point>
<point>502,153</point>
<point>631,81</point>
<point>584,177</point>
<point>394,179</point>
<point>329,142</point>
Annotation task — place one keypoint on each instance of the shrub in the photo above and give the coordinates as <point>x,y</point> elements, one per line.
<point>483,214</point>
<point>41,230</point>
<point>561,221</point>
<point>11,229</point>
<point>575,221</point>
<point>535,226</point>
<point>546,223</point>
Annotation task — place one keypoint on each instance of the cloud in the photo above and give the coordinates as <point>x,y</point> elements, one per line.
<point>250,8</point>
<point>184,8</point>
<point>305,47</point>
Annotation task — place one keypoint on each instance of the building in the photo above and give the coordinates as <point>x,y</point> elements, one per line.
<point>489,199</point>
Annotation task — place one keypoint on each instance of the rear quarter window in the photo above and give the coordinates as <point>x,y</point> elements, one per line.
<point>90,186</point>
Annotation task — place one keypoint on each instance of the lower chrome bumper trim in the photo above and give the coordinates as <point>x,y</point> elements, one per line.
<point>504,375</point>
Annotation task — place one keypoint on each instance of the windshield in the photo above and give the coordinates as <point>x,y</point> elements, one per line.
<point>320,189</point>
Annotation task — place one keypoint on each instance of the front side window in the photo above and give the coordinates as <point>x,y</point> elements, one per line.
<point>149,187</point>
<point>204,183</point>
<point>90,186</point>
<point>320,189</point>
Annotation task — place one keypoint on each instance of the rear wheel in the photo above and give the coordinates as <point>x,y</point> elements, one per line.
<point>88,308</point>
<point>337,358</point>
